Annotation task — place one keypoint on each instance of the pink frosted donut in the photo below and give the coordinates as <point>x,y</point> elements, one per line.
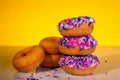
<point>82,45</point>
<point>80,65</point>
<point>82,25</point>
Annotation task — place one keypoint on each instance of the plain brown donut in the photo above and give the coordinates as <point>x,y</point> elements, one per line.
<point>28,59</point>
<point>51,61</point>
<point>50,45</point>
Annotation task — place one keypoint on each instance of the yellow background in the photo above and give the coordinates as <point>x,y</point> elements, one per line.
<point>26,22</point>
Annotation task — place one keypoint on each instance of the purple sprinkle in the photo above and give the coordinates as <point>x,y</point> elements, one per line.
<point>68,78</point>
<point>31,78</point>
<point>55,76</point>
<point>79,61</point>
<point>83,42</point>
<point>41,78</point>
<point>55,70</point>
<point>47,74</point>
<point>75,22</point>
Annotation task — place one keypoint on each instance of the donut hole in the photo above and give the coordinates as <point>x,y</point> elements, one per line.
<point>24,54</point>
<point>53,39</point>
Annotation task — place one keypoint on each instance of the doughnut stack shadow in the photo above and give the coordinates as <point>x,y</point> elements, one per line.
<point>77,45</point>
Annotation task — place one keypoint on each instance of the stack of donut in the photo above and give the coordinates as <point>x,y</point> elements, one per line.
<point>46,54</point>
<point>77,45</point>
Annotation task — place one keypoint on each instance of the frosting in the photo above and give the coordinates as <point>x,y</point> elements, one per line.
<point>83,42</point>
<point>75,22</point>
<point>82,62</point>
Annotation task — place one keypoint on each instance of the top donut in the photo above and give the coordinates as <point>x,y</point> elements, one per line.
<point>79,26</point>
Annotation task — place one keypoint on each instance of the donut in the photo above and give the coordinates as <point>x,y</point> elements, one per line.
<point>79,65</point>
<point>51,61</point>
<point>28,59</point>
<point>50,45</point>
<point>80,45</point>
<point>78,26</point>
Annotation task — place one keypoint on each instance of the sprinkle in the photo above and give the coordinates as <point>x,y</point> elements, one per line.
<point>41,78</point>
<point>31,78</point>
<point>24,78</point>
<point>68,78</point>
<point>106,73</point>
<point>18,78</point>
<point>55,70</point>
<point>55,76</point>
<point>82,62</point>
<point>80,49</point>
<point>83,42</point>
<point>84,76</point>
<point>74,22</point>
<point>47,74</point>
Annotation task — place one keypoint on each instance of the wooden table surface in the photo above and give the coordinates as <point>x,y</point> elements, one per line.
<point>109,68</point>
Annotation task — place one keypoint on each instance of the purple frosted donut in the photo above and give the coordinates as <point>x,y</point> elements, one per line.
<point>82,62</point>
<point>82,25</point>
<point>82,45</point>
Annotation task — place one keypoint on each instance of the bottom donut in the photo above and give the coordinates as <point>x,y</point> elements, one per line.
<point>79,65</point>
<point>79,71</point>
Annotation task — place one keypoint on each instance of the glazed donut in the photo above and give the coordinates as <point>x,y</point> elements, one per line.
<point>79,26</point>
<point>51,61</point>
<point>79,65</point>
<point>82,45</point>
<point>28,59</point>
<point>50,45</point>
